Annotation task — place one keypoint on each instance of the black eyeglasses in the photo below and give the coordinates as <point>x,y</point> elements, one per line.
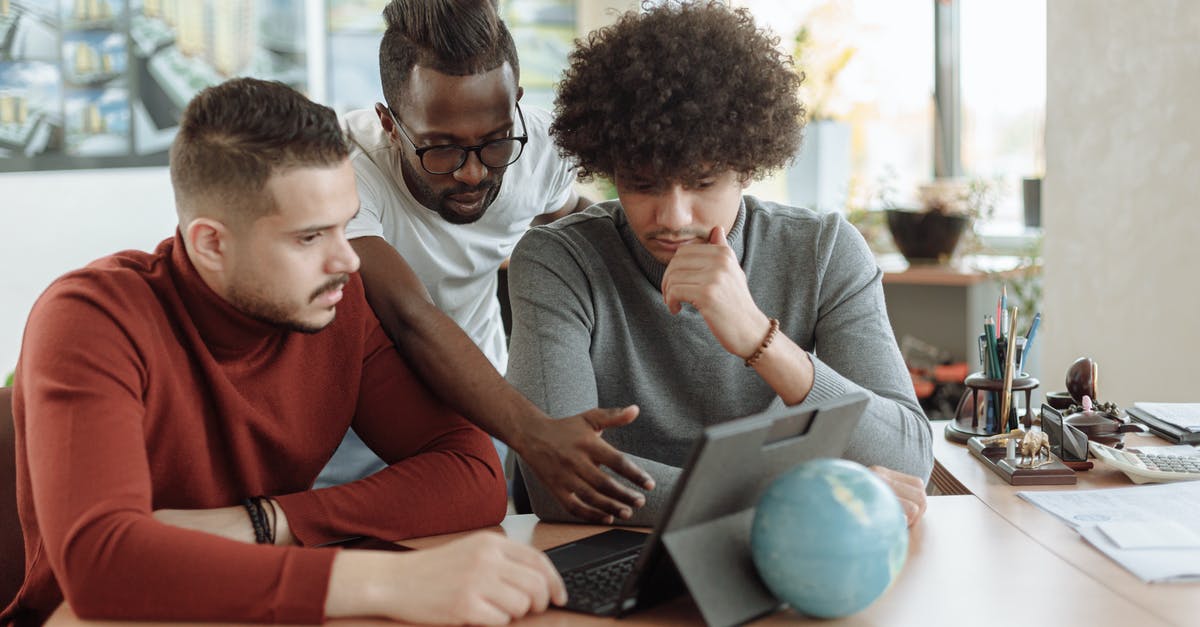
<point>447,158</point>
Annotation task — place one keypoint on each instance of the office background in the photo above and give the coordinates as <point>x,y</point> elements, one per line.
<point>1122,157</point>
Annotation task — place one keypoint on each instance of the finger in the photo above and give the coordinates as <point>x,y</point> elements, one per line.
<point>577,508</point>
<point>529,581</point>
<point>510,600</point>
<point>717,236</point>
<point>600,419</point>
<point>911,512</point>
<point>618,462</point>
<point>481,611</point>
<point>600,491</point>
<point>552,582</point>
<point>610,496</point>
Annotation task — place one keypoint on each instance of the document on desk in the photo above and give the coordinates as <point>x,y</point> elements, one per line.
<point>1153,530</point>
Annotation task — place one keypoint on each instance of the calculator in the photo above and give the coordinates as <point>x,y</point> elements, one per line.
<point>1144,467</point>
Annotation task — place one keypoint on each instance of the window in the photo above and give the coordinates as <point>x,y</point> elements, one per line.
<point>885,92</point>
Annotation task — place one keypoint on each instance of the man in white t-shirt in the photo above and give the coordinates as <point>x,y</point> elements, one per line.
<point>451,172</point>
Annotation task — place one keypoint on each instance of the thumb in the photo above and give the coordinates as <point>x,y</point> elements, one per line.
<point>716,236</point>
<point>603,418</point>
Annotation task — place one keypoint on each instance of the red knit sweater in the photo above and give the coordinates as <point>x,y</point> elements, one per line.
<point>138,388</point>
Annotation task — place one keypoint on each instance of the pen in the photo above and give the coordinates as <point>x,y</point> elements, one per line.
<point>1003,319</point>
<point>1033,327</point>
<point>1009,364</point>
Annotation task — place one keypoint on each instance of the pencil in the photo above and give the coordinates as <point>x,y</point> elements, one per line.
<point>1010,357</point>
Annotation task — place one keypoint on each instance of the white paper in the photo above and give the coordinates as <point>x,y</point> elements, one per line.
<point>1183,415</point>
<point>1150,535</point>
<point>1149,505</point>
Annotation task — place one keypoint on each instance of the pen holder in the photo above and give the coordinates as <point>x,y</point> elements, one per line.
<point>970,419</point>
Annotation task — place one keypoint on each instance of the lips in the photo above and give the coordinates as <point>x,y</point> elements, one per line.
<point>330,298</point>
<point>672,244</point>
<point>468,201</point>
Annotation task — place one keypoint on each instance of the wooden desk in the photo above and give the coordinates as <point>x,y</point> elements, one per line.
<point>966,566</point>
<point>1175,603</point>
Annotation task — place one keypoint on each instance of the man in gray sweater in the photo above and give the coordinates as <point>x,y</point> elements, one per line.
<point>686,297</point>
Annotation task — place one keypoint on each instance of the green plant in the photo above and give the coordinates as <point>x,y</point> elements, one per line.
<point>1025,283</point>
<point>821,59</point>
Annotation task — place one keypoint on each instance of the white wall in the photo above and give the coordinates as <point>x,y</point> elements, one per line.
<point>1122,196</point>
<point>54,222</point>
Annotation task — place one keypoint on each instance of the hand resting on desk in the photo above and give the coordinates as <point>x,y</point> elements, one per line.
<point>909,490</point>
<point>482,579</point>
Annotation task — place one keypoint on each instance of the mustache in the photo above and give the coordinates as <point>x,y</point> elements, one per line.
<point>677,235</point>
<point>329,286</point>
<point>483,186</point>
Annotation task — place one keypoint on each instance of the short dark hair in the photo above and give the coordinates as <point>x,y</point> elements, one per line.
<point>679,91</point>
<point>233,137</point>
<point>454,37</point>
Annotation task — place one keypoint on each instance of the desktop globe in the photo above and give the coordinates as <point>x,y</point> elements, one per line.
<point>829,537</point>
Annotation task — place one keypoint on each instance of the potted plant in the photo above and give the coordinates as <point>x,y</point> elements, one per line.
<point>819,178</point>
<point>931,232</point>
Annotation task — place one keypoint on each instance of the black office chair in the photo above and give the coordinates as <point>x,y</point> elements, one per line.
<point>12,540</point>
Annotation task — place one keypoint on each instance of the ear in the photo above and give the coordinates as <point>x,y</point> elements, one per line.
<point>520,92</point>
<point>208,243</point>
<point>745,180</point>
<point>385,118</point>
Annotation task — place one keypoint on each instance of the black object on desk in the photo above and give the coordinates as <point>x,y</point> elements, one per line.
<point>1162,428</point>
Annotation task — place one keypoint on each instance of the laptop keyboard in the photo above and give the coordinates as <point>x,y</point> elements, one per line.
<point>595,590</point>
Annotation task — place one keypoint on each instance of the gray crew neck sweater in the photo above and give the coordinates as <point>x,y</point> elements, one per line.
<point>590,329</point>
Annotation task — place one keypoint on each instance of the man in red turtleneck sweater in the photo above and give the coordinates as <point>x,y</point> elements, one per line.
<point>156,392</point>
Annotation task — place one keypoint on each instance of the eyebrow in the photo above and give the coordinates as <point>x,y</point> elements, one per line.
<point>451,139</point>
<point>316,228</point>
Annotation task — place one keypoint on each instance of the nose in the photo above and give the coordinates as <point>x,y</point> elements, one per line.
<point>343,259</point>
<point>472,171</point>
<point>674,209</point>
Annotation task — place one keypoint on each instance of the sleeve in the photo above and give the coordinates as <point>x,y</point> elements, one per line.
<point>550,355</point>
<point>855,348</point>
<point>82,381</point>
<point>558,173</point>
<point>367,179</point>
<point>443,474</point>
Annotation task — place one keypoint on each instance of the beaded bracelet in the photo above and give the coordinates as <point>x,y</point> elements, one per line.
<point>753,359</point>
<point>264,532</point>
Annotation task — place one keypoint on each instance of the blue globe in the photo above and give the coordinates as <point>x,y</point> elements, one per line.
<point>829,537</point>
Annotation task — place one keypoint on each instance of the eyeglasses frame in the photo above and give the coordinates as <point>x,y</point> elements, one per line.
<point>466,150</point>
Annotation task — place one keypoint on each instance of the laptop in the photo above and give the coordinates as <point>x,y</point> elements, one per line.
<point>702,542</point>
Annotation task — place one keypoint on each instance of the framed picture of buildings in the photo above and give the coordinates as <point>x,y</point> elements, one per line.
<point>102,83</point>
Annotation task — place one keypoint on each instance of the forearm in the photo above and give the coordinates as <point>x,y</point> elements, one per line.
<point>232,523</point>
<point>787,368</point>
<point>455,485</point>
<point>444,353</point>
<point>437,347</point>
<point>893,431</point>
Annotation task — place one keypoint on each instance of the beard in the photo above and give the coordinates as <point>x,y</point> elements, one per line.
<point>261,306</point>
<point>439,202</point>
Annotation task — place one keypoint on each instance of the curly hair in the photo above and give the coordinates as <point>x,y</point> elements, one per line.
<point>677,92</point>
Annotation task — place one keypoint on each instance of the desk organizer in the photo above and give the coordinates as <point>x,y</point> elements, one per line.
<point>1051,472</point>
<point>970,418</point>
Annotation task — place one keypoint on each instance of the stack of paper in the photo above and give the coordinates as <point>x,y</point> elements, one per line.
<point>1182,415</point>
<point>1153,531</point>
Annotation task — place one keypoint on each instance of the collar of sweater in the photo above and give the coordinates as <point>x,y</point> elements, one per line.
<point>654,269</point>
<point>226,331</point>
